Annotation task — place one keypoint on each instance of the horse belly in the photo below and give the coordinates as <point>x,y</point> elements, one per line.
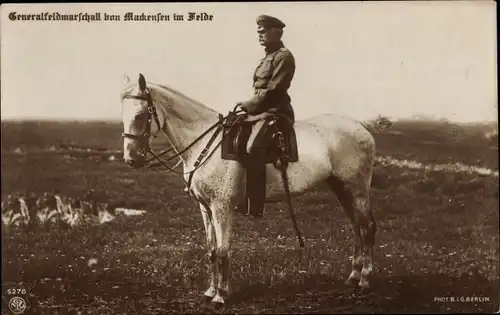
<point>314,166</point>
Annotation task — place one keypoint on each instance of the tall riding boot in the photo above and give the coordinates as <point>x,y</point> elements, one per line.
<point>243,207</point>
<point>257,173</point>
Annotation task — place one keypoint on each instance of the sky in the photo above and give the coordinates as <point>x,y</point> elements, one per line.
<point>358,59</point>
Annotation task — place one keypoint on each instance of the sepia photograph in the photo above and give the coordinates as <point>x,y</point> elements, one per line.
<point>250,158</point>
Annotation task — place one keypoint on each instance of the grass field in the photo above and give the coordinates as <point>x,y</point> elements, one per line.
<point>438,233</point>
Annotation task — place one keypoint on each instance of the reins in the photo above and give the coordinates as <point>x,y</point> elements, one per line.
<point>178,154</point>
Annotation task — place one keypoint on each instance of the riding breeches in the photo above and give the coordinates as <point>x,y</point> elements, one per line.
<point>256,130</point>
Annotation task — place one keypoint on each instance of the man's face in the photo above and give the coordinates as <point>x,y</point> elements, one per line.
<point>267,36</point>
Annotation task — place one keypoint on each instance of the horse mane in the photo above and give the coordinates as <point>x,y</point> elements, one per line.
<point>181,95</point>
<point>127,90</point>
<point>199,109</point>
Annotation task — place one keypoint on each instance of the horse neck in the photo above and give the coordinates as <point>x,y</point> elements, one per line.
<point>186,120</point>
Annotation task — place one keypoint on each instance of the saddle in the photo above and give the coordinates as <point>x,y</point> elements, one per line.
<point>275,143</point>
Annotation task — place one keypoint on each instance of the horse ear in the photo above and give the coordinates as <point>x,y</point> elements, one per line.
<point>126,79</point>
<point>142,82</point>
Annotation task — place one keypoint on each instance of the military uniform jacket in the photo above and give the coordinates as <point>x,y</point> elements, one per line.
<point>271,81</point>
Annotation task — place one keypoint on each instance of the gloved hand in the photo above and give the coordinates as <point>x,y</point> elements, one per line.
<point>242,105</point>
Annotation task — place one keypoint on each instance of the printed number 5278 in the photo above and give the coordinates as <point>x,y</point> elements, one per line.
<point>16,291</point>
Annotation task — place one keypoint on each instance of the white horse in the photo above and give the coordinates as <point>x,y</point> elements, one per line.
<point>333,149</point>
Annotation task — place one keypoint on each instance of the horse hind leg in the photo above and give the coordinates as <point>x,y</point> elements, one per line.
<point>368,231</point>
<point>346,200</point>
<point>355,202</point>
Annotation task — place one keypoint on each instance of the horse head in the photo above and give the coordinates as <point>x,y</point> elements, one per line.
<point>141,121</point>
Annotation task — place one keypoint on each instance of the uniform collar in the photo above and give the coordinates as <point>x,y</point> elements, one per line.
<point>274,47</point>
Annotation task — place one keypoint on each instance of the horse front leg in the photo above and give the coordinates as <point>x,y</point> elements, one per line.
<point>211,253</point>
<point>222,219</point>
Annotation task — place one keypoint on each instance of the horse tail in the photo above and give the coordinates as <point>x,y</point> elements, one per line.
<point>377,125</point>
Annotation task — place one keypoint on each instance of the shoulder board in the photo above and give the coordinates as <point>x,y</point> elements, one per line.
<point>283,49</point>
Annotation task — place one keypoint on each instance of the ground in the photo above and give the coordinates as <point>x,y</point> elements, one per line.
<point>437,234</point>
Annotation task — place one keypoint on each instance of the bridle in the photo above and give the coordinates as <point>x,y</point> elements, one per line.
<point>144,137</point>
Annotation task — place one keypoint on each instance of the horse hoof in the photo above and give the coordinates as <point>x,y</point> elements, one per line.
<point>218,302</point>
<point>205,300</point>
<point>364,286</point>
<point>352,282</point>
<point>364,290</point>
<point>218,305</point>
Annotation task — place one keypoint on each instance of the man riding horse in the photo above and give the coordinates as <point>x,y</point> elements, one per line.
<point>271,80</point>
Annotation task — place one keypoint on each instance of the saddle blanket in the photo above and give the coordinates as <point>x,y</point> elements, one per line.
<point>238,131</point>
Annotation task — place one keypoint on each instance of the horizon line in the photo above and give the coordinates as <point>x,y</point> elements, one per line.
<point>117,120</point>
